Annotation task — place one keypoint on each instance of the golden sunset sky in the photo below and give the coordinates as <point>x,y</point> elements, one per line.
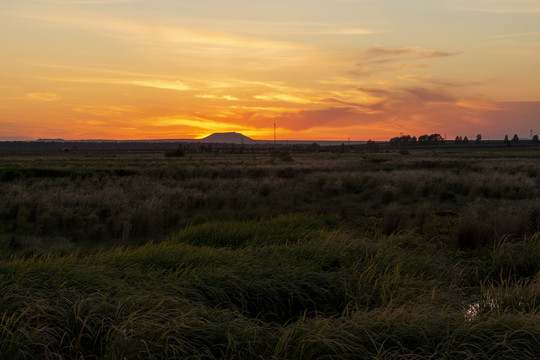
<point>318,69</point>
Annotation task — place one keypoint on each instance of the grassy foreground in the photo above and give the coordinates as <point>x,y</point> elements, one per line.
<point>360,256</point>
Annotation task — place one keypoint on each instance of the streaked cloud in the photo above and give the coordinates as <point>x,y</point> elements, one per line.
<point>44,96</point>
<point>162,84</point>
<point>284,98</point>
<point>379,59</point>
<point>414,52</point>
<point>104,110</point>
<point>429,95</point>
<point>219,97</point>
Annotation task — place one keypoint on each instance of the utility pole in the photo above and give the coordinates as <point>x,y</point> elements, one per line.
<point>274,135</point>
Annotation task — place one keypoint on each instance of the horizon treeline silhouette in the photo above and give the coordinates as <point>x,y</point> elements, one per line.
<point>435,139</point>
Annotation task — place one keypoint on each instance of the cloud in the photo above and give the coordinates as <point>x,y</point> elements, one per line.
<point>104,111</point>
<point>284,98</point>
<point>346,104</point>
<point>375,92</point>
<point>43,96</point>
<point>414,52</point>
<point>345,31</point>
<point>308,119</point>
<point>151,83</point>
<point>379,59</point>
<point>441,83</point>
<point>429,95</point>
<point>155,34</point>
<point>162,84</point>
<point>224,97</point>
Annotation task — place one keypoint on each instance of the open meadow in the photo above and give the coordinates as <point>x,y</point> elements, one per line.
<point>388,254</point>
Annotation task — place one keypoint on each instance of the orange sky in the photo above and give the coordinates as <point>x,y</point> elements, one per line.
<point>324,70</point>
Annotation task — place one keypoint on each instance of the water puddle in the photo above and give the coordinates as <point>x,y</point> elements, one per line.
<point>479,304</point>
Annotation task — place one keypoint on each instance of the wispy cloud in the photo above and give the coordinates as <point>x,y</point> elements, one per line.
<point>430,95</point>
<point>434,80</point>
<point>162,84</point>
<point>151,83</point>
<point>151,33</point>
<point>44,96</point>
<point>218,97</point>
<point>379,59</point>
<point>284,98</point>
<point>344,31</point>
<point>104,111</point>
<point>414,52</point>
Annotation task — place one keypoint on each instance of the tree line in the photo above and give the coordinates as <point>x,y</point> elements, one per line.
<point>435,139</point>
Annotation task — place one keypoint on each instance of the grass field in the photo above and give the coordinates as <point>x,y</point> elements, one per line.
<point>417,254</point>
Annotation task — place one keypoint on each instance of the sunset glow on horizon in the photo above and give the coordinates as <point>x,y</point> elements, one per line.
<point>324,70</point>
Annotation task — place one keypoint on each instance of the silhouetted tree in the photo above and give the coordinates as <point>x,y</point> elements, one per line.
<point>515,139</point>
<point>423,139</point>
<point>465,140</point>
<point>403,140</point>
<point>506,141</point>
<point>535,139</point>
<point>436,139</point>
<point>458,140</point>
<point>478,138</point>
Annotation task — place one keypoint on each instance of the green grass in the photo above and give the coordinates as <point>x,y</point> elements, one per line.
<point>251,256</point>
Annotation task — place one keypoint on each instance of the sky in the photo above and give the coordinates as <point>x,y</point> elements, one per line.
<point>318,69</point>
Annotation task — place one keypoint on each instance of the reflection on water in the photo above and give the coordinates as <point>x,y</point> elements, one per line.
<point>499,301</point>
<point>481,304</point>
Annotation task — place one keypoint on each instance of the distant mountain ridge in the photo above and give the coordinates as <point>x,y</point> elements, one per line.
<point>227,138</point>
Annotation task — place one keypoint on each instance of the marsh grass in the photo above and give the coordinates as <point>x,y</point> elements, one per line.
<point>237,256</point>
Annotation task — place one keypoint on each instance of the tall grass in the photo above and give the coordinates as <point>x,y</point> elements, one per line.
<point>336,295</point>
<point>332,256</point>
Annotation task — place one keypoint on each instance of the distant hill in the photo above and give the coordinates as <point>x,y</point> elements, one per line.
<point>227,138</point>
